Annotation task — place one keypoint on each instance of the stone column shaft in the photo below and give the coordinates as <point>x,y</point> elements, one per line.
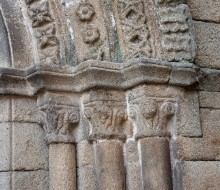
<point>110,165</point>
<point>156,165</point>
<point>62,166</point>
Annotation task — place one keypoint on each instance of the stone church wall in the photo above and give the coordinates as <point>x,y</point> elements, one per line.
<point>109,94</point>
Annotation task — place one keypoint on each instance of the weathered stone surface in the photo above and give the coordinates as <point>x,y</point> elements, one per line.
<point>5,147</point>
<point>62,166</point>
<point>210,124</point>
<point>205,10</point>
<point>110,87</point>
<point>209,80</point>
<point>200,175</point>
<point>58,114</point>
<point>107,113</point>
<point>155,161</point>
<point>208,146</point>
<point>164,111</point>
<point>198,149</point>
<point>38,180</point>
<point>30,151</point>
<point>207,40</point>
<point>209,99</point>
<point>110,165</point>
<point>5,107</point>
<point>133,166</point>
<point>5,59</point>
<point>24,110</point>
<point>90,30</point>
<point>5,179</point>
<point>87,178</point>
<point>21,53</point>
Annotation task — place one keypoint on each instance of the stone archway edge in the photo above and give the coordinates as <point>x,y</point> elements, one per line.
<point>90,74</point>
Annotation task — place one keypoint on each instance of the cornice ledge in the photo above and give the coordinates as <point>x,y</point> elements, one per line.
<point>94,73</point>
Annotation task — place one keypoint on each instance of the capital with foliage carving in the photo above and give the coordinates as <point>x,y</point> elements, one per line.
<point>152,116</point>
<point>58,115</point>
<point>106,113</point>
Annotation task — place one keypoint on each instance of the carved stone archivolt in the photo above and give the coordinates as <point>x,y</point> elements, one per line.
<point>58,115</point>
<point>45,31</point>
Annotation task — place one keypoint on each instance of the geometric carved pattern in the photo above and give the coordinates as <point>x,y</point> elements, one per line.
<point>134,25</point>
<point>44,30</point>
<point>175,25</point>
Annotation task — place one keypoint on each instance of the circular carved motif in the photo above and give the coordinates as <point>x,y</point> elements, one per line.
<point>90,34</point>
<point>85,11</point>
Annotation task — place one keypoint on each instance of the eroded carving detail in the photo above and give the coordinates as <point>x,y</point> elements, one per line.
<point>90,32</point>
<point>39,13</point>
<point>134,25</point>
<point>175,26</point>
<point>44,30</point>
<point>106,112</point>
<point>50,56</point>
<point>46,36</point>
<point>151,115</point>
<point>85,11</point>
<point>57,118</point>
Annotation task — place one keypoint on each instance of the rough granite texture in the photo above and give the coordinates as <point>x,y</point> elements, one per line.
<point>109,94</point>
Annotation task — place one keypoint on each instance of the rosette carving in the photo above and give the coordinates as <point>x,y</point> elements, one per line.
<point>85,11</point>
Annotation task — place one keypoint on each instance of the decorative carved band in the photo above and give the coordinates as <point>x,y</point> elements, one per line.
<point>44,30</point>
<point>129,29</point>
<point>57,114</point>
<point>106,113</point>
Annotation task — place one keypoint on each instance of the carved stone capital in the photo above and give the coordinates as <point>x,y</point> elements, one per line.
<point>152,116</point>
<point>58,114</point>
<point>106,113</point>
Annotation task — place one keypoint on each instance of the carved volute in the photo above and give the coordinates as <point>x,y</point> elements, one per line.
<point>58,115</point>
<point>107,94</point>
